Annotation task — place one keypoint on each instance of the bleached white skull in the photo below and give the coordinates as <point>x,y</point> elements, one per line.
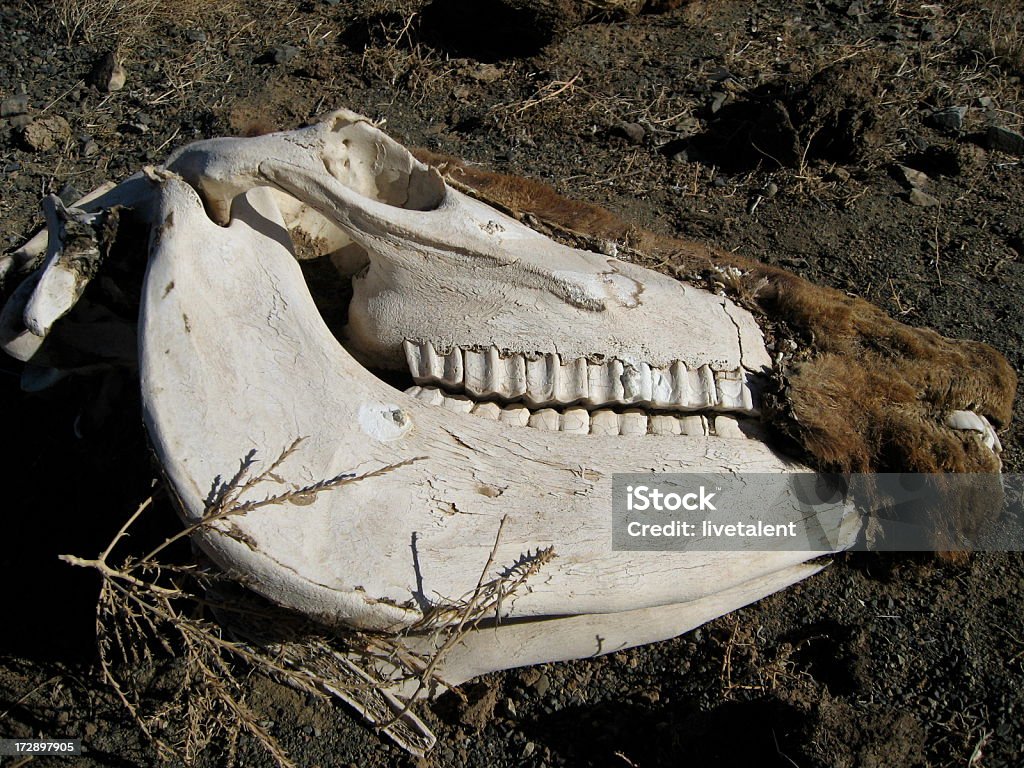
<point>535,372</point>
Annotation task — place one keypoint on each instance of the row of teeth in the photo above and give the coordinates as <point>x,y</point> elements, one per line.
<point>549,380</point>
<point>579,421</point>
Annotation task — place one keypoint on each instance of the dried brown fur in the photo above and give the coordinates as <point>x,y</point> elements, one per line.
<point>865,393</point>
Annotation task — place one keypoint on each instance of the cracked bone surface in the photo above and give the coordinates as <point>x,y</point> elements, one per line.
<point>540,371</point>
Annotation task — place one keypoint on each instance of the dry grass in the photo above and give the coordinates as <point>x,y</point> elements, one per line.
<point>179,642</point>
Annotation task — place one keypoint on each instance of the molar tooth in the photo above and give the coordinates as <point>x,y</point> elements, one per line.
<point>604,382</point>
<point>572,381</point>
<point>475,371</point>
<point>458,403</point>
<point>542,379</point>
<point>546,419</point>
<point>514,377</point>
<point>680,385</point>
<point>694,425</point>
<point>453,366</point>
<point>488,410</point>
<point>728,427</point>
<point>663,424</point>
<point>729,385</point>
<point>637,383</point>
<point>701,384</point>
<point>633,422</point>
<point>604,423</point>
<point>413,358</point>
<point>661,387</point>
<point>516,415</point>
<point>576,421</point>
<point>495,376</point>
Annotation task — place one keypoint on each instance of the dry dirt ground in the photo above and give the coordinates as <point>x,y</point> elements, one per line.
<point>774,129</point>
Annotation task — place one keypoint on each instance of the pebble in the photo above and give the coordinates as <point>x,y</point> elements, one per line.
<point>632,132</point>
<point>915,178</point>
<point>68,194</point>
<point>1005,140</point>
<point>195,36</point>
<point>543,685</point>
<point>949,119</point>
<point>922,199</point>
<point>718,99</point>
<point>20,121</point>
<point>14,105</point>
<point>529,749</point>
<point>45,133</point>
<point>90,148</point>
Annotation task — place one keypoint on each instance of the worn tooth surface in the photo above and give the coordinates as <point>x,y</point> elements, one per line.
<point>430,395</point>
<point>702,388</point>
<point>694,425</point>
<point>575,421</point>
<point>494,377</point>
<point>516,415</point>
<point>546,419</point>
<point>604,423</point>
<point>542,379</point>
<point>663,424</point>
<point>514,384</point>
<point>572,385</point>
<point>633,422</point>
<point>637,385</point>
<point>680,385</point>
<point>728,427</point>
<point>458,403</point>
<point>453,367</point>
<point>432,363</point>
<point>730,389</point>
<point>490,411</point>
<point>604,382</point>
<point>474,371</point>
<point>413,359</point>
<point>661,387</point>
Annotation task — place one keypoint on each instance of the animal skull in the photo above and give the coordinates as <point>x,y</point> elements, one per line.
<point>537,371</point>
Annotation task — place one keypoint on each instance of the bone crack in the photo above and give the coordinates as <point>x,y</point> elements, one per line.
<point>546,380</point>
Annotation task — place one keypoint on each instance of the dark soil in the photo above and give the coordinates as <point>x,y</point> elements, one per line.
<point>773,129</point>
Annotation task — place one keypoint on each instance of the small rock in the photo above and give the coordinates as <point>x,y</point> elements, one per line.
<point>108,74</point>
<point>986,102</point>
<point>633,132</point>
<point>949,119</point>
<point>529,749</point>
<point>1005,140</point>
<point>922,199</point>
<point>283,54</point>
<point>718,99</point>
<point>90,148</point>
<point>14,105</point>
<point>915,178</point>
<point>20,121</point>
<point>45,133</point>
<point>543,685</point>
<point>195,36</point>
<point>771,189</point>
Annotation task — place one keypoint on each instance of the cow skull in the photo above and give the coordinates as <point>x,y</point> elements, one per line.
<point>534,371</point>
